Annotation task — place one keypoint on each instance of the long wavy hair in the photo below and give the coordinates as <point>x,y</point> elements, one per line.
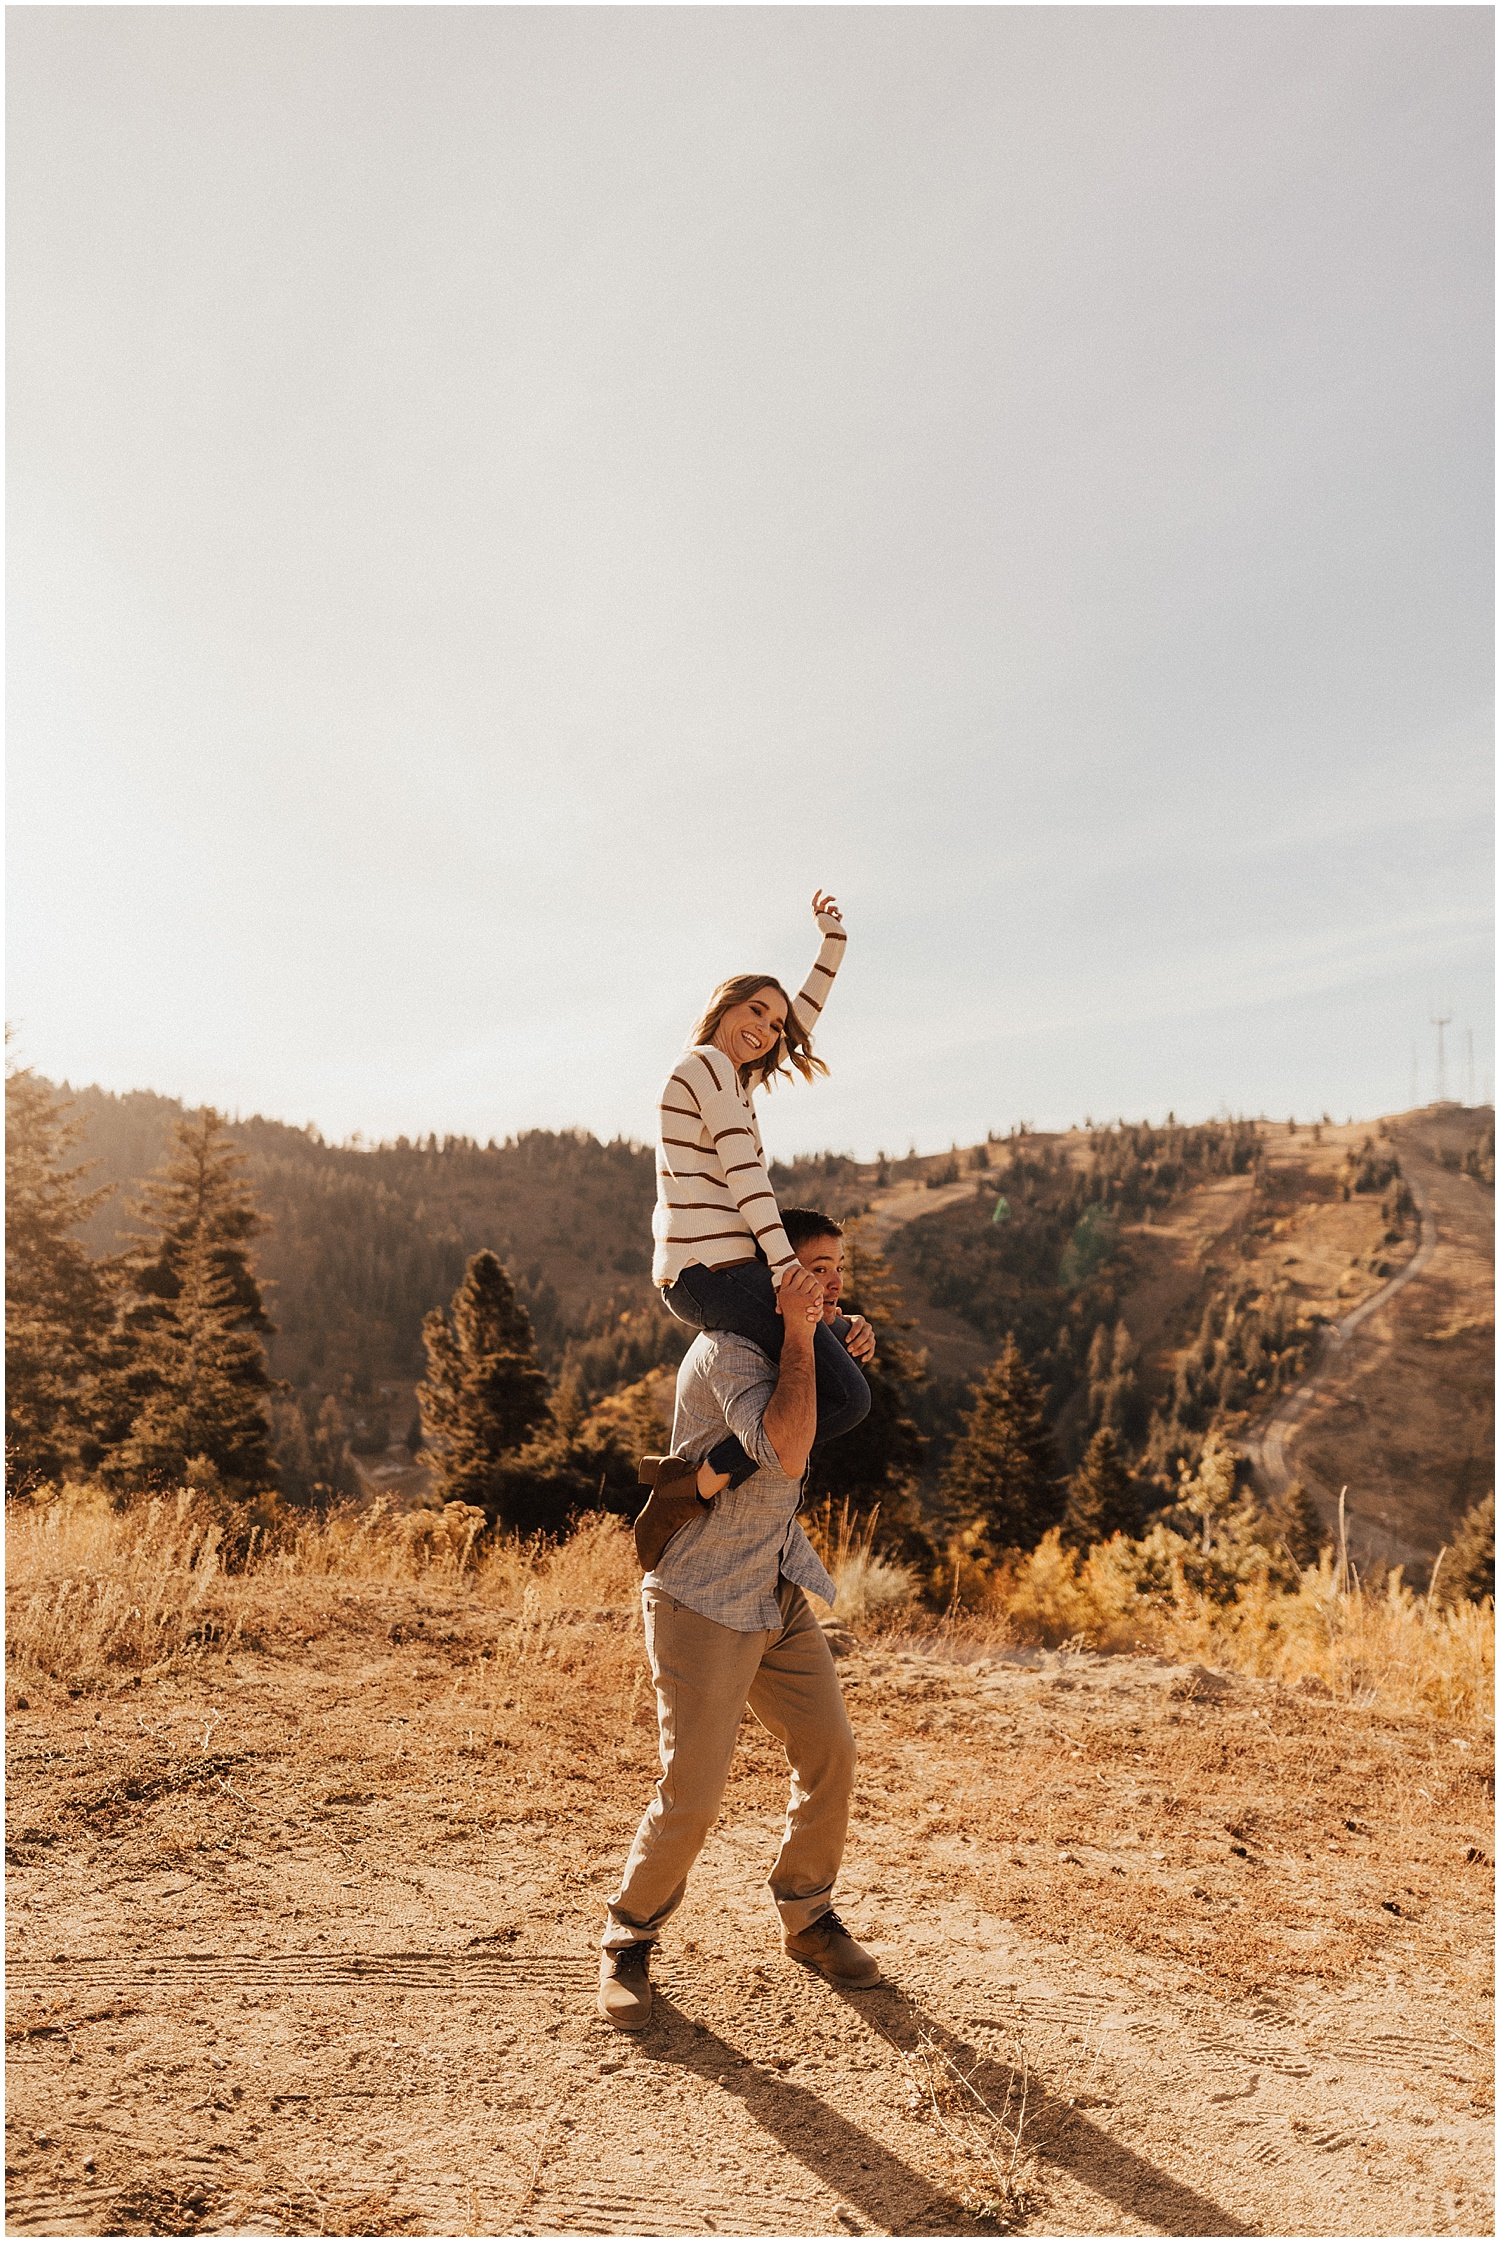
<point>792,1048</point>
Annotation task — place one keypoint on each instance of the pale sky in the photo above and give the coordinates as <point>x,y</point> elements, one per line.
<point>504,501</point>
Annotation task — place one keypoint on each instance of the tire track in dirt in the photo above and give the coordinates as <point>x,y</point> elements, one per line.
<point>291,1973</point>
<point>1287,2051</point>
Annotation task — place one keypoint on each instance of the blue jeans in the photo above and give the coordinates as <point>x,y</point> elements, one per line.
<point>742,1298</point>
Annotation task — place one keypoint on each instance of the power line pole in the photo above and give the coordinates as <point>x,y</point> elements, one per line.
<point>1469,1043</point>
<point>1442,1069</point>
<point>1413,1107</point>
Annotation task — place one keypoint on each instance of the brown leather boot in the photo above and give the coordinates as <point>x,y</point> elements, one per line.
<point>673,1500</point>
<point>826,1946</point>
<point>625,1986</point>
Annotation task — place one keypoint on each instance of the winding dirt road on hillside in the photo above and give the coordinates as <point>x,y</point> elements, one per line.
<point>1266,1447</point>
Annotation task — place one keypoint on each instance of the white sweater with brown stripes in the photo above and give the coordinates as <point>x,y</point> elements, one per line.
<point>714,1201</point>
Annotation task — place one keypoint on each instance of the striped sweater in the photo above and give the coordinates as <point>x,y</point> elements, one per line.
<point>714,1201</point>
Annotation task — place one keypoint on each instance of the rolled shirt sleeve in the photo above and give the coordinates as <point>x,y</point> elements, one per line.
<point>745,1397</point>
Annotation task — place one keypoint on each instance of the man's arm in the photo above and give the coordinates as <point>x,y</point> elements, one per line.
<point>791,1416</point>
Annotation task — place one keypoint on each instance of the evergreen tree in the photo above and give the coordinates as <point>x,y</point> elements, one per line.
<point>1001,1484</point>
<point>1102,1498</point>
<point>1291,1527</point>
<point>313,1464</point>
<point>61,1345</point>
<point>1124,1408</point>
<point>879,1462</point>
<point>1468,1571</point>
<point>197,1381</point>
<point>485,1394</point>
<point>199,1198</point>
<point>204,1381</point>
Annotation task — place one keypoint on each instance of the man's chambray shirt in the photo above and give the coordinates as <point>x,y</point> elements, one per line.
<point>728,1564</point>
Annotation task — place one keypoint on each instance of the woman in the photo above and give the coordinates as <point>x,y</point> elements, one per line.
<point>721,1252</point>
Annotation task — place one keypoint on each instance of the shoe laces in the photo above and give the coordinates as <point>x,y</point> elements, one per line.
<point>633,1961</point>
<point>830,1922</point>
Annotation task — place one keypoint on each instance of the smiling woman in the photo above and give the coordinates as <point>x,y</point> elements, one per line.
<point>721,1252</point>
<point>714,1202</point>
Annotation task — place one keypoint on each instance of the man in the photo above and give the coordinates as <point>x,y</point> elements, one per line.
<point>728,1624</point>
<point>818,1242</point>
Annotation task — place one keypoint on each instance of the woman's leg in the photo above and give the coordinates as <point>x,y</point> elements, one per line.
<point>743,1299</point>
<point>740,1298</point>
<point>843,1390</point>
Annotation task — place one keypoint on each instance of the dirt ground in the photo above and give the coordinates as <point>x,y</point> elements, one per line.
<point>301,1942</point>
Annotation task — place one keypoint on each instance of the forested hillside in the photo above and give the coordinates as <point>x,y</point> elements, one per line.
<point>361,1240</point>
<point>1161,1284</point>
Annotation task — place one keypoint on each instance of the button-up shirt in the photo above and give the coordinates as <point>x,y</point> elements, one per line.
<point>728,1564</point>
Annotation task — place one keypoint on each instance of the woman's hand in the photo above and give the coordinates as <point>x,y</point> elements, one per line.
<point>860,1339</point>
<point>799,1299</point>
<point>824,907</point>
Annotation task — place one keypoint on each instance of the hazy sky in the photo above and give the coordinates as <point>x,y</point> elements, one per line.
<point>503,501</point>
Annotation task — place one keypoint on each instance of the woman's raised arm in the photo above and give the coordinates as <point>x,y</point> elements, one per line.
<point>810,999</point>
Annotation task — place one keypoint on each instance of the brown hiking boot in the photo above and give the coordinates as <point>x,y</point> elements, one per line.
<point>625,1986</point>
<point>826,1946</point>
<point>673,1500</point>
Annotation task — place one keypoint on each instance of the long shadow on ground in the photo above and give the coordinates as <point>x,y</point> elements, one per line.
<point>888,2191</point>
<point>1055,2132</point>
<point>839,2155</point>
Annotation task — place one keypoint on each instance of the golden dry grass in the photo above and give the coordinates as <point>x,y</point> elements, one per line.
<point>92,1590</point>
<point>1389,1646</point>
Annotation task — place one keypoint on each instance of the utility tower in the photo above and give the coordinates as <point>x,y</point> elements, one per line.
<point>1413,1074</point>
<point>1469,1047</point>
<point>1442,1070</point>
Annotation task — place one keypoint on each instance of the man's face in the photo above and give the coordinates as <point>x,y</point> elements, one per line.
<point>825,1258</point>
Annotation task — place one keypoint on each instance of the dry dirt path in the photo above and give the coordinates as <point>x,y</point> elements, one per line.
<point>304,1944</point>
<point>1401,1407</point>
<point>953,1346</point>
<point>1267,1445</point>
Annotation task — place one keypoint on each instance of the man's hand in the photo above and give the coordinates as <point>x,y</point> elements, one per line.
<point>860,1339</point>
<point>791,1417</point>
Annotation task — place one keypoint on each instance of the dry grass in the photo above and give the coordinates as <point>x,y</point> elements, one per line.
<point>1388,1646</point>
<point>93,1590</point>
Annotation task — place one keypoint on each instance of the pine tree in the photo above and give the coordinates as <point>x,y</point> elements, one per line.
<point>61,1342</point>
<point>1001,1482</point>
<point>485,1394</point>
<point>313,1464</point>
<point>198,1379</point>
<point>1102,1498</point>
<point>1468,1572</point>
<point>1291,1526</point>
<point>205,1381</point>
<point>200,1196</point>
<point>1124,1409</point>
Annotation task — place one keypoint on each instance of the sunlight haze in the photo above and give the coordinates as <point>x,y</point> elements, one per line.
<point>505,502</point>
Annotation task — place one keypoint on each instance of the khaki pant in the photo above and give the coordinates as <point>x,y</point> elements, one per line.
<point>705,1676</point>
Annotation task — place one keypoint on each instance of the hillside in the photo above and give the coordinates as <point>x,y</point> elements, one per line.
<point>1158,1279</point>
<point>1404,1417</point>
